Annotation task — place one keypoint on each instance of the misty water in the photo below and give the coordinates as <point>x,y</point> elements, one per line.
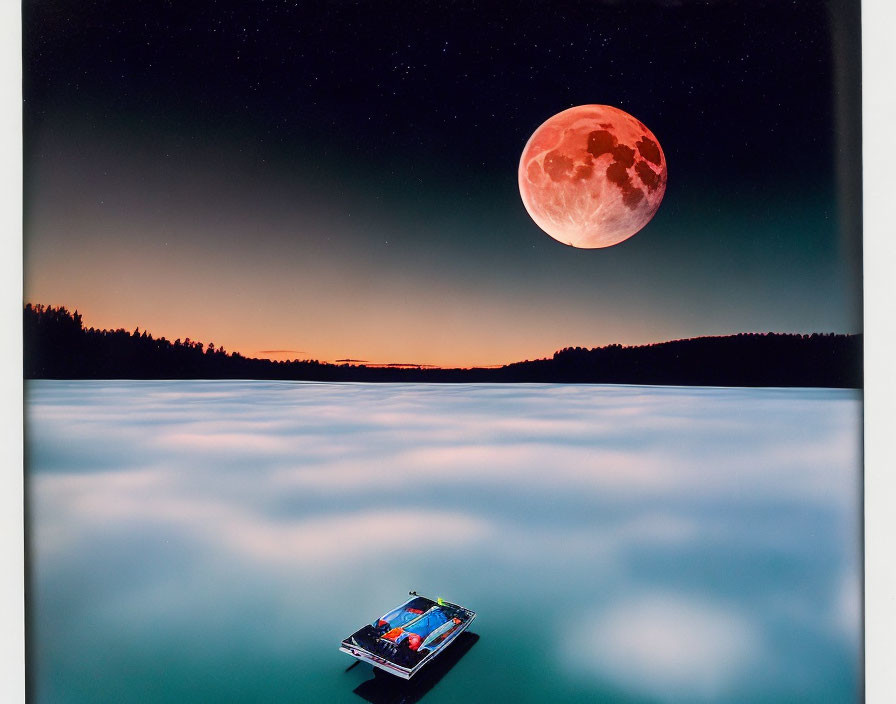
<point>215,540</point>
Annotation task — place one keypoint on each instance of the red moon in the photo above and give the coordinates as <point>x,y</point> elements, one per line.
<point>592,176</point>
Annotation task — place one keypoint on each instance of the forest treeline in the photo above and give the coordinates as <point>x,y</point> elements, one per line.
<point>58,346</point>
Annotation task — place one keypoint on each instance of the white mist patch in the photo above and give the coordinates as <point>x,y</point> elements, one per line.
<point>667,645</point>
<point>77,507</point>
<point>848,606</point>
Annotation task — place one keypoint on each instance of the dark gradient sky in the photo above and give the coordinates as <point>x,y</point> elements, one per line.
<point>339,180</point>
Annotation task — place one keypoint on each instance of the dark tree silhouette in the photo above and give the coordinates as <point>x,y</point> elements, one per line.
<point>57,346</point>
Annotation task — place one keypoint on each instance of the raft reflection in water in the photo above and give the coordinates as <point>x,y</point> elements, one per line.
<point>384,688</point>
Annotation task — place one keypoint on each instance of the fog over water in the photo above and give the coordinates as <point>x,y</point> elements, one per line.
<point>215,540</point>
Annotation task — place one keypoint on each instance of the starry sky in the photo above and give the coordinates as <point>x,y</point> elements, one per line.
<point>338,180</point>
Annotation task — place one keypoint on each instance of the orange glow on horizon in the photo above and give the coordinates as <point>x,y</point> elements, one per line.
<point>465,354</point>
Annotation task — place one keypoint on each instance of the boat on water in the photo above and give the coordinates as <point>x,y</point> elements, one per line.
<point>409,636</point>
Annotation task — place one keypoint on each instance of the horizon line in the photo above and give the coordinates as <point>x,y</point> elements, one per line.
<point>352,362</point>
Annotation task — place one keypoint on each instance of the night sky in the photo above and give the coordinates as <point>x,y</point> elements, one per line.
<point>338,180</point>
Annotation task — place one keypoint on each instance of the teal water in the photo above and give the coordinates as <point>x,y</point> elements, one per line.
<point>214,541</point>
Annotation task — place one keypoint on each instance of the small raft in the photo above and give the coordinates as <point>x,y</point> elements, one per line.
<point>409,636</point>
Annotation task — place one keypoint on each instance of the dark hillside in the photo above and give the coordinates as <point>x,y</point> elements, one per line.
<point>57,346</point>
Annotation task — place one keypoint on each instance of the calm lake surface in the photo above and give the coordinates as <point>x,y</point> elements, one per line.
<point>215,540</point>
